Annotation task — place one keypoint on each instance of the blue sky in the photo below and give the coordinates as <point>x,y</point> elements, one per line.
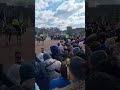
<point>60,13</point>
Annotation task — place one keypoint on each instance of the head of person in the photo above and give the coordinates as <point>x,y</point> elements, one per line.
<point>97,57</point>
<point>46,56</point>
<point>77,69</point>
<point>101,37</point>
<point>109,42</point>
<point>54,49</point>
<point>18,58</point>
<point>101,81</point>
<point>109,66</point>
<point>27,72</point>
<point>42,50</point>
<point>91,38</point>
<point>61,48</point>
<point>115,50</point>
<point>75,50</point>
<point>74,44</point>
<point>58,44</point>
<point>82,45</point>
<point>81,54</point>
<point>95,46</point>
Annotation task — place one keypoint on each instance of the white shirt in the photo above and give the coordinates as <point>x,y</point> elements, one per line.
<point>40,57</point>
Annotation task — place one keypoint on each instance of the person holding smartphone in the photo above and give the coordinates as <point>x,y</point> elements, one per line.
<point>76,71</point>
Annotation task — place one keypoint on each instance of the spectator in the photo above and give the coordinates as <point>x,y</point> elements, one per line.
<point>97,57</point>
<point>5,82</point>
<point>61,81</point>
<point>95,46</point>
<point>41,77</point>
<point>76,73</point>
<point>13,72</point>
<point>106,61</point>
<point>115,50</point>
<point>27,75</point>
<point>75,50</point>
<point>102,81</point>
<point>109,42</point>
<point>52,66</point>
<point>40,55</point>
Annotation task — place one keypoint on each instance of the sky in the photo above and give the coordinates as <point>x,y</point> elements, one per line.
<point>60,13</point>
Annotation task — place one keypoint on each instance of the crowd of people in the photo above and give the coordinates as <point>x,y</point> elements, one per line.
<point>103,54</point>
<point>64,67</point>
<point>73,63</point>
<point>20,75</point>
<point>92,63</point>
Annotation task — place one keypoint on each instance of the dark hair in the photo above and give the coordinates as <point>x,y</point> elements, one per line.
<point>91,38</point>
<point>58,44</point>
<point>110,66</point>
<point>18,57</point>
<point>77,67</point>
<point>101,37</point>
<point>101,81</point>
<point>27,71</point>
<point>95,46</point>
<point>42,50</point>
<point>97,57</point>
<point>80,54</point>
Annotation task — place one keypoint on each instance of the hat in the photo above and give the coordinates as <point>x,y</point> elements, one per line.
<point>27,71</point>
<point>54,49</point>
<point>46,56</point>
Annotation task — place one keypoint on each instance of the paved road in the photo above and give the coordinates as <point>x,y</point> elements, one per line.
<point>47,43</point>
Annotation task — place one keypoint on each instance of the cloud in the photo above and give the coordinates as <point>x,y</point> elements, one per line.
<point>53,1</point>
<point>67,13</point>
<point>68,8</point>
<point>41,4</point>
